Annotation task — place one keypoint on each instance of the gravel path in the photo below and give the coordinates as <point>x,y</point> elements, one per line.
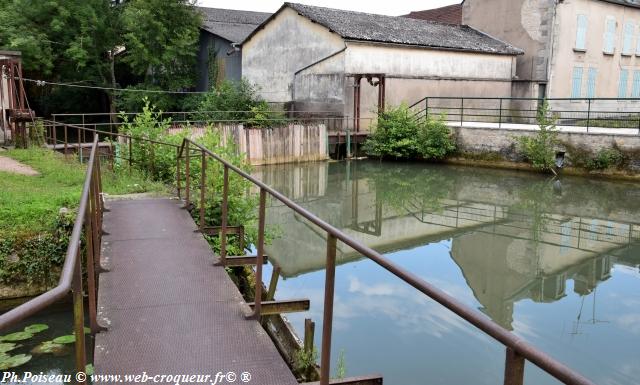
<point>10,165</point>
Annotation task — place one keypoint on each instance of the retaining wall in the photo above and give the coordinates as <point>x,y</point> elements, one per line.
<point>284,144</point>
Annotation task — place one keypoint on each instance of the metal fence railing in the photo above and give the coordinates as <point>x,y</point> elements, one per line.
<point>587,113</point>
<point>518,351</point>
<point>88,221</point>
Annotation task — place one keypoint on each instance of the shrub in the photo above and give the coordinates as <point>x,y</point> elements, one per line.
<point>238,102</point>
<point>539,150</point>
<point>399,134</point>
<point>604,159</point>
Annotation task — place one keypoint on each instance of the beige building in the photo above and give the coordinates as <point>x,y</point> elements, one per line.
<point>321,59</point>
<point>573,48</point>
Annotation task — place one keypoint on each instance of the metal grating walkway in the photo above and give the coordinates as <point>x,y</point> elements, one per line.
<point>168,310</point>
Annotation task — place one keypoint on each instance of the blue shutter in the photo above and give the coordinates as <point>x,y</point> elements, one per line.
<point>591,82</point>
<point>576,89</point>
<point>581,33</point>
<point>627,44</point>
<point>635,92</point>
<point>609,36</point>
<point>622,85</point>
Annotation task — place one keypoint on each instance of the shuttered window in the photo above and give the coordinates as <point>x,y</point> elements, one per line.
<point>576,83</point>
<point>627,42</point>
<point>622,85</point>
<point>581,33</point>
<point>610,36</point>
<point>635,91</point>
<point>591,82</point>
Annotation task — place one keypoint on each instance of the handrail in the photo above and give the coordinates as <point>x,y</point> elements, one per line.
<point>517,349</point>
<point>89,217</point>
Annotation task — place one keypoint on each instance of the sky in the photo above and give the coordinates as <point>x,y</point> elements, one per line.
<point>387,7</point>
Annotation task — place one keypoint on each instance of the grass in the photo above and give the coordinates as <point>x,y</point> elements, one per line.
<point>30,204</point>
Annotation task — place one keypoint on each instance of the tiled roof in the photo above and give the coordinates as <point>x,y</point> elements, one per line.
<point>401,30</point>
<point>231,24</point>
<point>451,14</point>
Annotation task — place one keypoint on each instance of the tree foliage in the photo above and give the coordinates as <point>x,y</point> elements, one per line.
<point>540,150</point>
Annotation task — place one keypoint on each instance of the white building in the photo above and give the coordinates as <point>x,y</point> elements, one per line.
<point>313,58</point>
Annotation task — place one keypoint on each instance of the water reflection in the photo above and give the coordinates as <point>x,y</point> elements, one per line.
<point>529,252</point>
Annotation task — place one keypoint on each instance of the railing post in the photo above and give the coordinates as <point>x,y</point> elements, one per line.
<point>91,211</point>
<point>257,308</point>
<point>187,174</point>
<point>426,107</point>
<point>461,111</point>
<point>500,115</point>
<point>178,172</point>
<point>79,148</point>
<point>66,140</point>
<point>55,136</point>
<point>327,319</point>
<point>588,113</point>
<point>78,316</point>
<point>203,175</point>
<point>130,152</point>
<point>513,368</point>
<point>225,214</point>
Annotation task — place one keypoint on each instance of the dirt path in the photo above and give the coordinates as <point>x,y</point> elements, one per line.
<point>10,165</point>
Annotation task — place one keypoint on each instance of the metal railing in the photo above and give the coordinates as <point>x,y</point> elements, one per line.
<point>517,350</point>
<point>90,216</point>
<point>587,113</point>
<point>88,221</point>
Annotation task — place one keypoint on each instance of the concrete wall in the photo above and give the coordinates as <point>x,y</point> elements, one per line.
<point>286,45</point>
<point>526,24</point>
<point>229,66</point>
<point>565,58</point>
<point>286,144</point>
<point>503,142</point>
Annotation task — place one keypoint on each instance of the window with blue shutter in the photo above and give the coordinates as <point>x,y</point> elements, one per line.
<point>635,91</point>
<point>622,85</point>
<point>627,42</point>
<point>610,36</point>
<point>576,88</point>
<point>581,33</point>
<point>591,82</point>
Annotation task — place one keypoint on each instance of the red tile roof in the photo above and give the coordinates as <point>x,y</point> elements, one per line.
<point>451,14</point>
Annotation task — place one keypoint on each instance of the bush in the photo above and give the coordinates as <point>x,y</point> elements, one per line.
<point>399,134</point>
<point>604,159</point>
<point>539,150</point>
<point>237,102</point>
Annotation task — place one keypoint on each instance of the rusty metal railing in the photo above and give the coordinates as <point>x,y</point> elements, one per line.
<point>88,221</point>
<point>517,350</point>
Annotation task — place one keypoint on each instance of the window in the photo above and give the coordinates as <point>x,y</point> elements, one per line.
<point>622,85</point>
<point>591,82</point>
<point>581,33</point>
<point>610,36</point>
<point>576,89</point>
<point>635,91</point>
<point>627,42</point>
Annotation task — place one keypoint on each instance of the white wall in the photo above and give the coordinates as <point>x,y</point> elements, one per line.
<point>287,44</point>
<point>421,62</point>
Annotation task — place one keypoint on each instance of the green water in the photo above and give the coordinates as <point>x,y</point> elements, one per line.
<point>554,260</point>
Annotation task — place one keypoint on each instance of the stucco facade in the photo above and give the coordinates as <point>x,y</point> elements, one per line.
<point>306,65</point>
<point>573,48</point>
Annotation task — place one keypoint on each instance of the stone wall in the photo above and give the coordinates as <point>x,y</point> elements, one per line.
<point>502,142</point>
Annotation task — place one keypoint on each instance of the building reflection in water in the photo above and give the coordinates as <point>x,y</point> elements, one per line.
<point>513,238</point>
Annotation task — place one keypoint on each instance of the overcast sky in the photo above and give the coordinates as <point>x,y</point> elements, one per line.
<point>386,7</point>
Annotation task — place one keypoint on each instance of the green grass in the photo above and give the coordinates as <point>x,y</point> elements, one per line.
<point>30,204</point>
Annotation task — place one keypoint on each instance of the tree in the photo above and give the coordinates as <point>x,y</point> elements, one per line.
<point>161,39</point>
